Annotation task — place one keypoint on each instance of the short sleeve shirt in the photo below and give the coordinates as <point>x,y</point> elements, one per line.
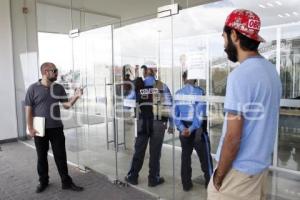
<point>45,102</point>
<point>253,91</point>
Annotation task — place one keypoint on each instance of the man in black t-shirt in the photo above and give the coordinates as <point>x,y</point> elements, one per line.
<point>42,100</point>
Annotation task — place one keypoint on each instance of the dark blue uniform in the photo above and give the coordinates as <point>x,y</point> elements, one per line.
<point>190,113</point>
<point>153,109</point>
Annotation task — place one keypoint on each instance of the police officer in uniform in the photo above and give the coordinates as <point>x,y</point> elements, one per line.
<point>191,123</point>
<point>154,102</point>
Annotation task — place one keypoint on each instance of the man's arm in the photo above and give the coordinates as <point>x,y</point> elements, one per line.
<point>169,103</point>
<point>197,118</point>
<point>176,118</point>
<point>72,101</point>
<point>230,148</point>
<point>29,118</point>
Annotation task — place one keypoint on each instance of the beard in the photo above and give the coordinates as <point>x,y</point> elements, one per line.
<point>231,51</point>
<point>52,79</point>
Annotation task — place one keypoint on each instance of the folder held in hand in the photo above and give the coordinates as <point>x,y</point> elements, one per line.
<point>39,126</point>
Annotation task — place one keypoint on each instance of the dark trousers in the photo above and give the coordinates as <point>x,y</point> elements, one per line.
<point>199,141</point>
<point>57,140</point>
<point>152,131</point>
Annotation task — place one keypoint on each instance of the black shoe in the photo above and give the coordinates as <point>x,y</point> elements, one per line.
<point>41,187</point>
<point>73,187</point>
<point>159,181</point>
<point>132,181</point>
<point>187,187</point>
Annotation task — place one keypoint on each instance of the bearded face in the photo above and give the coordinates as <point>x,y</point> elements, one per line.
<point>52,73</point>
<point>52,79</point>
<point>231,50</point>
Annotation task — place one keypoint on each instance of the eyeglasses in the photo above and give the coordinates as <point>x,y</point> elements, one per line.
<point>53,70</point>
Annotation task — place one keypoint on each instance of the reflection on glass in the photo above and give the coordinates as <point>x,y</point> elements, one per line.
<point>288,139</point>
<point>150,40</point>
<point>219,66</point>
<point>57,48</point>
<point>216,118</point>
<point>93,59</point>
<point>289,129</point>
<point>290,62</point>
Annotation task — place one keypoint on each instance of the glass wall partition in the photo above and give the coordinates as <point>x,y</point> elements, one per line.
<point>92,52</point>
<point>83,53</point>
<point>145,43</point>
<point>102,128</point>
<point>57,48</point>
<point>289,129</point>
<point>198,45</point>
<point>203,36</point>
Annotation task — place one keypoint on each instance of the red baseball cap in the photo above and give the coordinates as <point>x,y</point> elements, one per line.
<point>246,22</point>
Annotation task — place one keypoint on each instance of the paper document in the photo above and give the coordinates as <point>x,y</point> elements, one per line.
<point>39,126</point>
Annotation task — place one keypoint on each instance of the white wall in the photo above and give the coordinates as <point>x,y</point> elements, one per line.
<point>8,119</point>
<point>25,51</point>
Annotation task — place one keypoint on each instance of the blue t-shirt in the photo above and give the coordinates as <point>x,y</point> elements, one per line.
<point>254,91</point>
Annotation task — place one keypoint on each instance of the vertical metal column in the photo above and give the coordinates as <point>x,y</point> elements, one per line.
<point>173,137</point>
<point>106,117</point>
<point>275,154</point>
<point>114,108</point>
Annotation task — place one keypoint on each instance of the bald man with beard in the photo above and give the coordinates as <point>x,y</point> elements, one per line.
<point>42,100</point>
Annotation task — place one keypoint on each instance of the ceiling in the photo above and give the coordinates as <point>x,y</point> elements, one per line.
<point>129,11</point>
<point>125,10</point>
<point>146,38</point>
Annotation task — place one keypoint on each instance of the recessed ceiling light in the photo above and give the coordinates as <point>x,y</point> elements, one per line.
<point>269,4</point>
<point>262,6</point>
<point>295,13</point>
<point>278,3</point>
<point>287,14</point>
<point>280,16</point>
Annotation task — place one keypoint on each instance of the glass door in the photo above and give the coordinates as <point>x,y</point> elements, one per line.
<point>93,63</point>
<point>192,50</point>
<point>145,157</point>
<point>289,129</point>
<point>84,58</point>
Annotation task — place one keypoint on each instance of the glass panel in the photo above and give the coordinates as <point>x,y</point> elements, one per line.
<point>55,45</point>
<point>57,48</point>
<point>192,51</point>
<point>289,129</point>
<point>83,61</point>
<point>94,111</point>
<point>219,66</point>
<point>197,42</point>
<point>288,139</point>
<point>92,60</point>
<point>290,62</point>
<point>145,43</point>
<point>216,118</point>
<point>268,49</point>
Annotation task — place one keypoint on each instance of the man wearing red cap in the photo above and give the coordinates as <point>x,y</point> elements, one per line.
<point>251,105</point>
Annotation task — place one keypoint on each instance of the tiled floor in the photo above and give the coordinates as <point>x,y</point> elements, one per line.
<point>18,180</point>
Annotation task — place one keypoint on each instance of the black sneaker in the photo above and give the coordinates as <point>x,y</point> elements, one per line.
<point>159,181</point>
<point>132,181</point>
<point>41,187</point>
<point>187,187</point>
